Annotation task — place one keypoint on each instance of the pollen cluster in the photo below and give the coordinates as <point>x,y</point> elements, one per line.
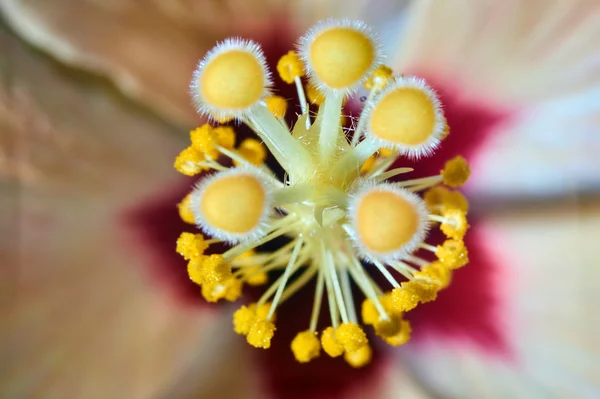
<point>348,217</point>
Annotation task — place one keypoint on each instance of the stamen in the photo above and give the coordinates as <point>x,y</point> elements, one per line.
<point>334,203</point>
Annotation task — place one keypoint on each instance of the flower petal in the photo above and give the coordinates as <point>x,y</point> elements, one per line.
<point>84,318</point>
<point>547,287</point>
<point>536,59</point>
<point>150,48</point>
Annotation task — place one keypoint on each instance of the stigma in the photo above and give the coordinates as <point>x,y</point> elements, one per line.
<point>349,217</point>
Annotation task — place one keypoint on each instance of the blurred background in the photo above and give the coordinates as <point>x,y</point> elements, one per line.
<point>94,107</point>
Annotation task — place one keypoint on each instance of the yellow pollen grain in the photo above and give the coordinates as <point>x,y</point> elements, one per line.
<point>386,221</point>
<point>405,116</point>
<point>232,80</point>
<point>233,203</point>
<point>360,357</point>
<point>341,57</point>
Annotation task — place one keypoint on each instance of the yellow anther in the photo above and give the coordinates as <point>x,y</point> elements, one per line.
<point>386,152</point>
<point>187,162</point>
<point>253,276</point>
<point>455,224</point>
<point>369,312</point>
<point>453,254</point>
<point>190,245</point>
<point>456,172</point>
<point>263,310</point>
<point>185,211</point>
<point>403,220</point>
<point>405,297</point>
<point>456,200</point>
<point>330,344</point>
<point>243,318</point>
<point>261,333</point>
<point>379,77</point>
<point>315,96</point>
<point>340,56</point>
<point>368,165</point>
<point>232,79</point>
<point>277,105</point>
<point>351,336</point>
<point>404,117</point>
<point>252,151</point>
<point>388,327</point>
<point>360,357</point>
<point>215,269</point>
<point>290,67</point>
<point>195,270</point>
<point>204,140</point>
<point>440,199</point>
<point>436,198</point>
<point>306,346</point>
<point>403,335</point>
<point>230,290</point>
<point>435,273</point>
<point>233,203</point>
<point>225,136</point>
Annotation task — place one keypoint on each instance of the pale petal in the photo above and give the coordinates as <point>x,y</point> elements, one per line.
<point>538,63</point>
<point>547,294</point>
<point>82,318</point>
<point>149,48</point>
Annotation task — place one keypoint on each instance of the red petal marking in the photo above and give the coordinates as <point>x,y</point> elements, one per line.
<point>155,227</point>
<point>470,310</point>
<point>324,377</point>
<point>466,310</point>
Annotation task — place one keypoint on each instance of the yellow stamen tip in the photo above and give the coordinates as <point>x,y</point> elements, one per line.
<point>315,96</point>
<point>435,273</point>
<point>404,298</point>
<point>261,333</point>
<point>330,344</point>
<point>379,78</point>
<point>388,327</point>
<point>230,290</point>
<point>351,336</point>
<point>204,141</point>
<point>277,105</point>
<point>403,335</point>
<point>369,312</point>
<point>252,151</point>
<point>306,346</point>
<point>455,225</point>
<point>453,254</point>
<point>195,270</point>
<point>190,245</point>
<point>255,277</point>
<point>340,56</point>
<point>215,269</point>
<point>456,172</point>
<point>185,211</point>
<point>360,357</point>
<point>368,165</point>
<point>290,67</point>
<point>187,162</point>
<point>243,318</point>
<point>225,136</point>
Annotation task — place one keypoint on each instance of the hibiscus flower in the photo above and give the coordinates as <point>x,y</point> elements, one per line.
<point>89,320</point>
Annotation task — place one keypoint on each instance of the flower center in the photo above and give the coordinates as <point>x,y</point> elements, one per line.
<point>337,204</point>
